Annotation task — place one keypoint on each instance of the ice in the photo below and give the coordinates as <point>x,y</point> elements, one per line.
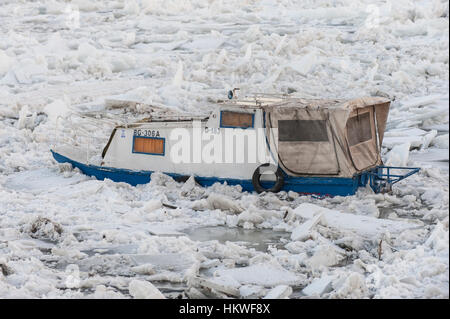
<point>178,78</point>
<point>5,62</point>
<point>399,155</point>
<point>435,239</point>
<point>319,286</point>
<point>266,275</point>
<point>204,43</point>
<point>279,292</point>
<point>441,141</point>
<point>420,101</point>
<point>120,60</point>
<point>173,262</point>
<point>217,201</point>
<point>413,136</point>
<point>303,231</point>
<point>56,109</point>
<point>44,228</point>
<point>102,292</point>
<point>363,225</point>
<point>144,290</point>
<point>41,180</point>
<point>428,138</point>
<point>163,230</point>
<point>145,269</point>
<point>325,255</point>
<point>351,286</point>
<point>437,127</point>
<point>227,285</point>
<point>430,157</point>
<point>305,64</point>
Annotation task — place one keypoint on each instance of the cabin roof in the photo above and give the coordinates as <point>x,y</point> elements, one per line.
<point>264,102</point>
<point>292,102</point>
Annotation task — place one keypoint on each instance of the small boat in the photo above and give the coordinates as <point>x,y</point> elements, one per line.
<point>263,143</point>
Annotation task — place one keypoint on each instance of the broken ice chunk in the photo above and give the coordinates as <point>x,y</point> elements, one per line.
<point>251,291</point>
<point>365,226</point>
<point>279,292</point>
<point>325,255</point>
<point>319,286</point>
<point>145,269</point>
<point>144,290</point>
<point>216,201</point>
<point>303,231</point>
<point>399,155</point>
<point>225,284</point>
<point>266,275</point>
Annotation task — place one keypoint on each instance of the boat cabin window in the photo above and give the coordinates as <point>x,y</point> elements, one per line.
<point>148,145</point>
<point>236,119</point>
<point>359,129</point>
<point>302,131</point>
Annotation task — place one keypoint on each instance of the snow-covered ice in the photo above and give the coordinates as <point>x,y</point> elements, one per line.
<point>66,235</point>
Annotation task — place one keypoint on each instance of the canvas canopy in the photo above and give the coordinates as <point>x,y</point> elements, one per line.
<point>328,137</point>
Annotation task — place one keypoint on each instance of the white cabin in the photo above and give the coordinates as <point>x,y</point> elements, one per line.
<point>148,145</point>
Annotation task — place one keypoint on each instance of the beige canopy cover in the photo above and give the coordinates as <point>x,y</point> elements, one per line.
<point>328,137</point>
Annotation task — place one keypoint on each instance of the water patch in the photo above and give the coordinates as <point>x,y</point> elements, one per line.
<point>260,239</point>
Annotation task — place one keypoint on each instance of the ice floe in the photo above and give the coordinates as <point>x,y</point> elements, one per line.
<point>65,235</point>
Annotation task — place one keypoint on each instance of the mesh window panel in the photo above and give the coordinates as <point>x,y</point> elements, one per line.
<point>359,129</point>
<point>148,145</point>
<point>236,119</point>
<point>302,131</point>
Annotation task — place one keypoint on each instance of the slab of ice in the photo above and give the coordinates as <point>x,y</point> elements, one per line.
<point>405,132</point>
<point>205,43</point>
<point>399,155</point>
<point>227,285</point>
<point>437,127</point>
<point>305,64</point>
<point>363,225</point>
<point>217,201</point>
<point>325,255</point>
<point>430,155</point>
<point>303,231</point>
<point>41,180</point>
<point>144,290</point>
<point>266,275</point>
<point>390,142</point>
<point>58,108</point>
<point>175,262</point>
<point>441,141</point>
<point>145,269</point>
<point>5,62</point>
<point>252,291</point>
<point>428,138</point>
<point>319,286</point>
<point>279,292</point>
<point>142,42</point>
<point>163,230</point>
<point>413,136</point>
<point>420,101</point>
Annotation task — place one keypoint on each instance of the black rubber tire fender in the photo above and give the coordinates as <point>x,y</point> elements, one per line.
<point>257,183</point>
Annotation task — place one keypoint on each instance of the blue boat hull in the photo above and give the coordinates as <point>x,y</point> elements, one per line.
<point>320,186</point>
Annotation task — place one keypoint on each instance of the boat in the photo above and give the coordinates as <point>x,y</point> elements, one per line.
<point>319,147</point>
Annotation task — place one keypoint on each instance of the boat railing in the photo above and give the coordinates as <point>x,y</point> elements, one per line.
<point>80,135</point>
<point>383,177</point>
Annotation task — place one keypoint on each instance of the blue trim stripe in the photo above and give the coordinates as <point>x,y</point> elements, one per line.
<point>153,138</point>
<point>322,186</point>
<point>244,128</point>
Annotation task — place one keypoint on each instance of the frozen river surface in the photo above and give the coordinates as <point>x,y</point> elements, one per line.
<point>65,235</point>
